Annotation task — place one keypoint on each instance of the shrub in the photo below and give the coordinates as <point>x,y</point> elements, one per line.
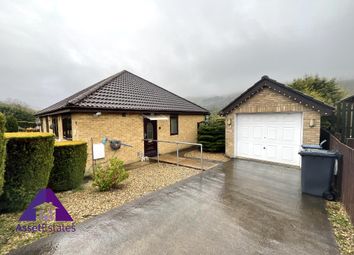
<point>2,151</point>
<point>11,124</point>
<point>69,165</point>
<point>212,135</point>
<point>110,176</point>
<point>28,164</point>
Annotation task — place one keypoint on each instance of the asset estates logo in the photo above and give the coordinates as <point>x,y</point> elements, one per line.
<point>45,211</point>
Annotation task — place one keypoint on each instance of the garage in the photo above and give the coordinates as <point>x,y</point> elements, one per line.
<point>270,121</point>
<point>275,137</point>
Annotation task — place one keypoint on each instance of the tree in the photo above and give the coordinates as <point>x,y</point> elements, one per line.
<point>11,124</point>
<point>21,112</point>
<point>323,89</point>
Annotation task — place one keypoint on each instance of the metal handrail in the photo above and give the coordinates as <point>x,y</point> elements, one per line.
<point>177,151</point>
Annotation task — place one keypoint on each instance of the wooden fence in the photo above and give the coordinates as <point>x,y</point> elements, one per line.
<point>347,174</point>
<point>345,120</point>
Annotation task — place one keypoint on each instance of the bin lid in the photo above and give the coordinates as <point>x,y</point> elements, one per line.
<point>311,146</point>
<point>319,153</point>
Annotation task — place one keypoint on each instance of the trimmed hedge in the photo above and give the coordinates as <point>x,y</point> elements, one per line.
<point>2,151</point>
<point>69,165</point>
<point>212,136</point>
<point>28,164</point>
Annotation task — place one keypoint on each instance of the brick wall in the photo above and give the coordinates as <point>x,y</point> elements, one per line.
<point>129,130</point>
<point>187,132</point>
<point>267,101</point>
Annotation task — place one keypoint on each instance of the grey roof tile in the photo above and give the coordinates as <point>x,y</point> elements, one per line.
<point>125,91</point>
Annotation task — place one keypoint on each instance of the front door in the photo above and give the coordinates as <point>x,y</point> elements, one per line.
<point>150,132</point>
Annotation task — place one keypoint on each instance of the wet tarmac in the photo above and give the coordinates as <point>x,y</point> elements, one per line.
<point>240,207</point>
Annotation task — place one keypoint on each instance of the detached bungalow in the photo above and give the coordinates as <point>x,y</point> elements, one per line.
<point>127,108</point>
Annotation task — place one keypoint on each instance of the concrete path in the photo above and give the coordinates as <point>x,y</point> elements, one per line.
<point>241,207</point>
<point>188,162</point>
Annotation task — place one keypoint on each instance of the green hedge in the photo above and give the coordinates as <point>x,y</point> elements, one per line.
<point>212,136</point>
<point>69,165</point>
<point>2,151</point>
<point>29,161</point>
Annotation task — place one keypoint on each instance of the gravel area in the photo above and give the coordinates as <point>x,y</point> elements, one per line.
<point>207,155</point>
<point>87,202</point>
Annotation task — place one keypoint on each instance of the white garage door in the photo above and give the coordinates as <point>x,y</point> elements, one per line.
<point>272,137</point>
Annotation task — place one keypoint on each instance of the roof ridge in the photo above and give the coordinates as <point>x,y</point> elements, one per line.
<point>243,93</point>
<point>167,90</point>
<point>346,98</point>
<point>93,88</point>
<point>325,107</point>
<point>297,91</point>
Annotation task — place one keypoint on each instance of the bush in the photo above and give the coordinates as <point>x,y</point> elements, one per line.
<point>11,124</point>
<point>69,165</point>
<point>28,164</point>
<point>110,176</point>
<point>2,151</point>
<point>212,135</point>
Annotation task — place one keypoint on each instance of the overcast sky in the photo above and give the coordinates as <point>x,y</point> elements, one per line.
<point>51,49</point>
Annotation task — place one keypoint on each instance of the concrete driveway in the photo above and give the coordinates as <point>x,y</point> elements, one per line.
<point>241,207</point>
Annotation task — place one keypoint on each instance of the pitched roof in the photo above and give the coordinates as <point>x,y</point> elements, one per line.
<point>348,99</point>
<point>124,92</point>
<point>297,96</point>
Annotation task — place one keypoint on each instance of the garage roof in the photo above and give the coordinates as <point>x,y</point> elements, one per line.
<point>297,96</point>
<point>349,99</point>
<point>124,92</point>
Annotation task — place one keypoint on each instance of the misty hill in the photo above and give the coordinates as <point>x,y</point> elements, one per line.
<point>214,103</point>
<point>348,85</point>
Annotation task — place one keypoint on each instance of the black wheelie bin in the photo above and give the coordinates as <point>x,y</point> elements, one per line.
<point>317,172</point>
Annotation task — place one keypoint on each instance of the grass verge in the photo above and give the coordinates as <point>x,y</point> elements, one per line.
<point>342,227</point>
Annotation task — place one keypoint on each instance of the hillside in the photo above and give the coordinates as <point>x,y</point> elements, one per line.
<point>348,85</point>
<point>22,113</point>
<point>215,103</point>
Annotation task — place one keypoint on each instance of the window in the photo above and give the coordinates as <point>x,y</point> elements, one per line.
<point>149,131</point>
<point>174,124</point>
<point>54,126</point>
<point>67,127</point>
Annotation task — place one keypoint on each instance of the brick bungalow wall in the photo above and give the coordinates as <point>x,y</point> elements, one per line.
<point>129,130</point>
<point>187,132</point>
<point>268,101</point>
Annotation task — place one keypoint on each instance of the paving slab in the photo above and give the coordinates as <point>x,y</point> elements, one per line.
<point>239,207</point>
